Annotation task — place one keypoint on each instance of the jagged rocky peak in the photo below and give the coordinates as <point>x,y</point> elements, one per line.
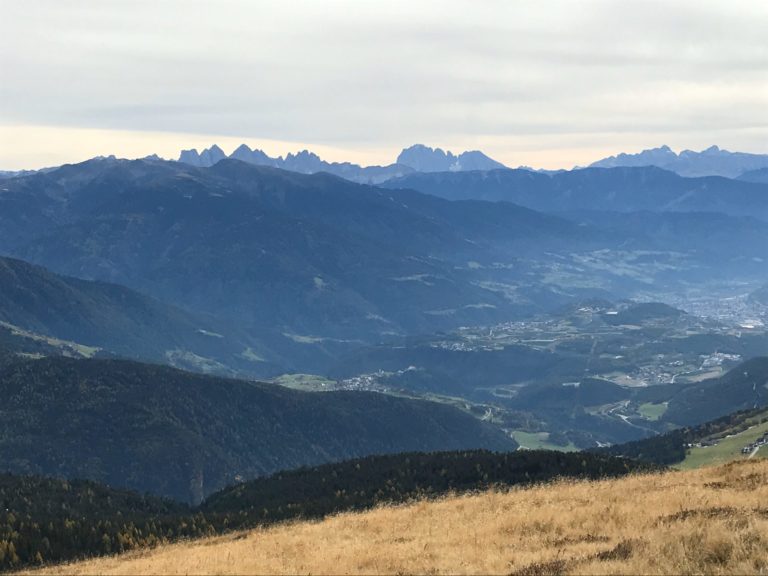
<point>242,150</point>
<point>419,158</point>
<point>713,161</point>
<point>663,150</point>
<point>425,159</point>
<point>255,156</point>
<point>190,157</point>
<point>649,156</point>
<point>476,160</point>
<point>302,155</point>
<point>212,155</point>
<point>204,159</point>
<point>305,161</point>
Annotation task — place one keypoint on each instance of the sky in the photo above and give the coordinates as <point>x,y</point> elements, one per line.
<point>548,84</point>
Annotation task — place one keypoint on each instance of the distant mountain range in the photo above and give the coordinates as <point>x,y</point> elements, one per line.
<point>710,162</point>
<point>418,158</point>
<point>15,173</point>
<point>304,162</point>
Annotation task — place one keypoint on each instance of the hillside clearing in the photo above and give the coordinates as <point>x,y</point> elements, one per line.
<point>711,520</point>
<point>725,450</point>
<point>540,441</point>
<point>651,411</point>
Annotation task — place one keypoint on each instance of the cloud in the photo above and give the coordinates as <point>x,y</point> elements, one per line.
<point>380,75</point>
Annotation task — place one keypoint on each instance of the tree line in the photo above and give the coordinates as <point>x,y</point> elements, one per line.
<point>48,520</point>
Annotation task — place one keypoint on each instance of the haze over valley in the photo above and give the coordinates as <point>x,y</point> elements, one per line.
<point>442,308</point>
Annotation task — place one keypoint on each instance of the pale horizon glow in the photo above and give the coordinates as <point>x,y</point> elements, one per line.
<point>20,147</point>
<point>552,84</point>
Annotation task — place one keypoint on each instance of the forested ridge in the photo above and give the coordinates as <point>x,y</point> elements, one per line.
<point>182,435</point>
<point>364,482</point>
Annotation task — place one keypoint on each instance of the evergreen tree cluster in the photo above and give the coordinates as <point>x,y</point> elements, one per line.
<point>45,520</point>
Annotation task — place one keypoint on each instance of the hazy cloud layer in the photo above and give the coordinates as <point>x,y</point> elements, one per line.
<point>545,83</point>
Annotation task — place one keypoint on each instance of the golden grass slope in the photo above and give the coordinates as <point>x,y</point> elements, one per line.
<point>712,520</point>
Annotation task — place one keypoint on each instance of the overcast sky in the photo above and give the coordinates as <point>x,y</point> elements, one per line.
<point>540,83</point>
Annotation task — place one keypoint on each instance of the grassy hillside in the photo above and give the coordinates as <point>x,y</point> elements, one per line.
<point>713,442</point>
<point>729,446</point>
<point>183,435</point>
<point>711,520</point>
<point>45,520</point>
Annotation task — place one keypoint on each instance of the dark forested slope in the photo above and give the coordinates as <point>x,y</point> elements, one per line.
<point>742,388</point>
<point>173,433</point>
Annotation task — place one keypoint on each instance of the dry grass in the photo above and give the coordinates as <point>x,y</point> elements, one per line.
<point>712,520</point>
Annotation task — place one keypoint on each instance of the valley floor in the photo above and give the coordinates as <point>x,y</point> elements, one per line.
<point>711,520</point>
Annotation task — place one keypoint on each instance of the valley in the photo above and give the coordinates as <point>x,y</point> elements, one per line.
<point>570,329</point>
<point>620,364</point>
<point>398,263</point>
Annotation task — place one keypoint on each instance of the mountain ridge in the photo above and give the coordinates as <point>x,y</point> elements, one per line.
<point>620,189</point>
<point>712,161</point>
<point>415,158</point>
<point>116,320</point>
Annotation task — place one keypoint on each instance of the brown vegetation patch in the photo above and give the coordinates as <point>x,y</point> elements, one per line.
<point>553,568</point>
<point>748,482</point>
<point>572,540</point>
<point>643,524</point>
<point>726,513</point>
<point>708,513</point>
<point>622,551</point>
